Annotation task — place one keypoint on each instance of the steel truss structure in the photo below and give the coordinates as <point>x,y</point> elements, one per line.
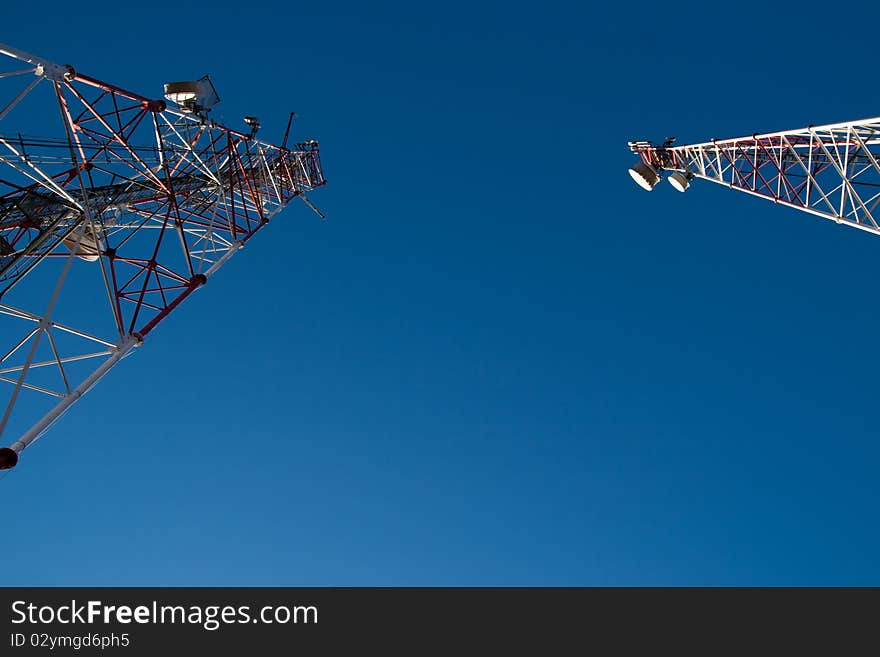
<point>831,171</point>
<point>108,227</point>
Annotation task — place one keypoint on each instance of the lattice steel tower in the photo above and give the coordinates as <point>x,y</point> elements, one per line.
<point>109,224</point>
<point>831,171</point>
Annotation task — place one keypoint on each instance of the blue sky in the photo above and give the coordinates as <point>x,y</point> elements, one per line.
<point>498,362</point>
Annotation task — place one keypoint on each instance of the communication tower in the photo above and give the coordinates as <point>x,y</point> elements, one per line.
<point>111,222</point>
<point>830,171</point>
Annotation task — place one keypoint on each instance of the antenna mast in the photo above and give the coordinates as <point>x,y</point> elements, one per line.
<point>831,171</point>
<point>108,225</point>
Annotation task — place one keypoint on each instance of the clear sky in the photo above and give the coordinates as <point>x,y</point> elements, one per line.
<point>498,362</point>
